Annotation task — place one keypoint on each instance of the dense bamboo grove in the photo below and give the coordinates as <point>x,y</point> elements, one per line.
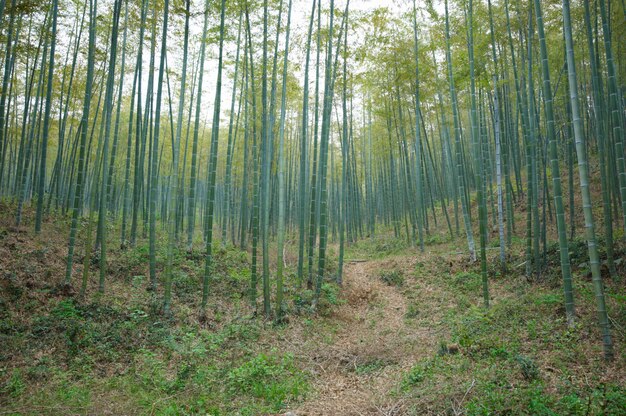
<point>300,126</point>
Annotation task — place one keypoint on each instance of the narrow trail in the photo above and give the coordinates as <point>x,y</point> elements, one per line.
<point>374,344</point>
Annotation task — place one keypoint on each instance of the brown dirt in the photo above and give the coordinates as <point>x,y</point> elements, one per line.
<point>374,345</point>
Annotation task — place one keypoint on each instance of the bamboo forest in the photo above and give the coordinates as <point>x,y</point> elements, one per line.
<point>313,207</point>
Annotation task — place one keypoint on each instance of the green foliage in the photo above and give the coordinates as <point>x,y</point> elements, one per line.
<point>96,332</point>
<point>477,332</point>
<point>417,374</point>
<point>12,290</point>
<point>370,366</point>
<point>467,282</point>
<point>435,239</point>
<point>382,245</point>
<point>72,394</point>
<point>330,293</point>
<point>133,260</point>
<point>528,367</point>
<point>549,299</point>
<point>185,285</point>
<point>302,300</point>
<point>419,268</point>
<point>412,311</point>
<point>392,277</point>
<point>496,396</point>
<point>15,384</point>
<point>330,297</point>
<point>65,310</point>
<point>272,378</point>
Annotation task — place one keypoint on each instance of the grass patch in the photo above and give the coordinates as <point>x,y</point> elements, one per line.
<point>380,246</point>
<point>467,282</point>
<point>273,379</point>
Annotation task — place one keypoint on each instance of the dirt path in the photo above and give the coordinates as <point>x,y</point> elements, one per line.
<point>374,344</point>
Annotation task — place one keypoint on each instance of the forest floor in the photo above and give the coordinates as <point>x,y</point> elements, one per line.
<point>374,344</point>
<point>406,334</point>
<point>411,337</point>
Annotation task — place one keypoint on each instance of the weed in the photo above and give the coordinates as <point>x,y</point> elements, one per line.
<point>529,369</point>
<point>185,285</point>
<point>435,239</point>
<point>66,309</point>
<point>467,282</point>
<point>12,289</point>
<point>392,277</point>
<point>330,292</point>
<point>494,397</point>
<point>548,299</point>
<point>499,352</point>
<point>73,395</point>
<point>329,297</point>
<point>41,371</point>
<point>370,366</point>
<point>447,349</point>
<point>415,376</point>
<point>381,245</point>
<point>412,311</point>
<point>15,385</point>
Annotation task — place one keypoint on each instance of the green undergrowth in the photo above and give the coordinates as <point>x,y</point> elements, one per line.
<point>579,260</point>
<point>134,359</point>
<point>519,356</point>
<point>377,247</point>
<point>393,277</point>
<point>117,353</point>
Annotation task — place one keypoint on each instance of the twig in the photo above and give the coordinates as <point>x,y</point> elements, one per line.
<point>468,390</point>
<point>457,409</point>
<point>616,326</point>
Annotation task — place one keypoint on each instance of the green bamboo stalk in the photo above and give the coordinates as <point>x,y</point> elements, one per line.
<point>303,151</point>
<point>418,145</point>
<point>191,213</point>
<point>594,260</point>
<point>229,146</point>
<point>80,178</point>
<point>46,120</point>
<point>460,172</point>
<point>215,131</point>
<point>108,103</point>
<point>281,178</point>
<point>482,207</point>
<point>556,174</point>
<point>167,296</point>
